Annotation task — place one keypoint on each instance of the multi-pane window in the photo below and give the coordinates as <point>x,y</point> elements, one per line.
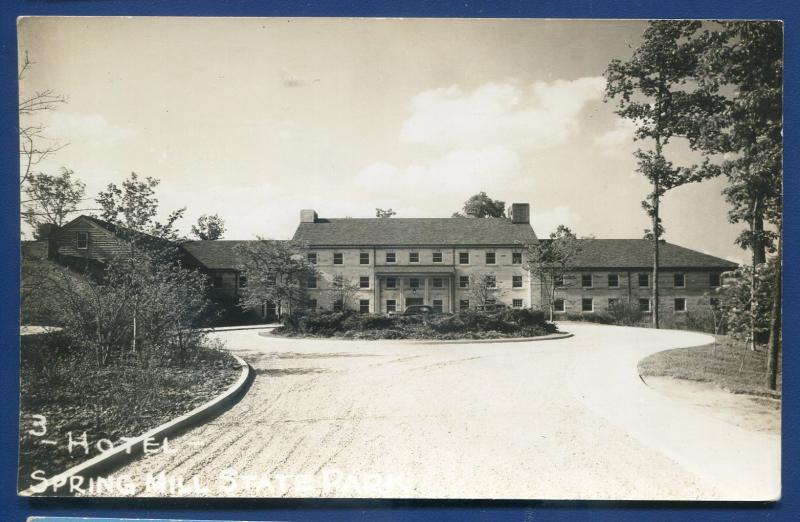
<point>644,280</point>
<point>391,257</point>
<point>463,258</point>
<point>491,281</point>
<point>438,282</point>
<point>312,258</point>
<point>612,302</point>
<point>558,305</point>
<point>613,280</point>
<point>413,257</point>
<point>516,258</point>
<point>82,240</point>
<point>713,279</point>
<point>463,281</point>
<point>363,258</point>
<point>312,282</point>
<point>338,305</point>
<point>338,281</point>
<point>679,280</point>
<point>437,305</point>
<point>680,304</point>
<point>463,304</point>
<point>516,281</point>
<point>337,258</point>
<point>516,303</point>
<point>587,304</point>
<point>586,280</point>
<point>490,302</point>
<point>363,282</point>
<point>312,304</point>
<point>437,257</point>
<point>391,305</point>
<point>644,305</point>
<point>271,280</point>
<point>363,306</point>
<point>491,258</point>
<point>391,282</point>
<point>413,282</point>
<point>558,280</point>
<point>242,281</point>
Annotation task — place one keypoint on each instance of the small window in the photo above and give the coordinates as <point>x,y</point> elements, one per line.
<point>242,281</point>
<point>613,280</point>
<point>216,281</point>
<point>271,280</point>
<point>516,258</point>
<point>312,282</point>
<point>391,282</point>
<point>312,304</point>
<point>644,280</point>
<point>516,281</point>
<point>463,282</point>
<point>558,305</point>
<point>363,282</point>
<point>338,281</point>
<point>338,305</point>
<point>270,309</point>
<point>586,280</point>
<point>438,282</point>
<point>437,305</point>
<point>391,305</point>
<point>463,258</point>
<point>82,240</point>
<point>463,304</point>
<point>337,258</point>
<point>413,282</point>
<point>612,302</point>
<point>558,280</point>
<point>413,257</point>
<point>363,306</point>
<point>587,304</point>
<point>491,258</point>
<point>363,258</point>
<point>491,281</point>
<point>437,257</point>
<point>680,280</point>
<point>680,304</point>
<point>644,305</point>
<point>312,258</point>
<point>490,302</point>
<point>391,257</point>
<point>713,279</point>
<point>516,303</point>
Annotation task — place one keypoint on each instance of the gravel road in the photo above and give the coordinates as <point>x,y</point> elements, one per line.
<point>560,419</point>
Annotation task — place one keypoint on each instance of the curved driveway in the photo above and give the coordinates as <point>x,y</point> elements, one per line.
<point>566,419</point>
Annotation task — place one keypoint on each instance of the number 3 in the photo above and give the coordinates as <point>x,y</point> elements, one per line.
<point>39,421</point>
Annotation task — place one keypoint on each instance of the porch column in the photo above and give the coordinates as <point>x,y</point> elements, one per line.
<point>376,307</point>
<point>451,281</point>
<point>402,303</point>
<point>427,293</point>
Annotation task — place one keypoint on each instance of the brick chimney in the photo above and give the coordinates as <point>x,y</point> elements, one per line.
<point>308,216</point>
<point>521,213</point>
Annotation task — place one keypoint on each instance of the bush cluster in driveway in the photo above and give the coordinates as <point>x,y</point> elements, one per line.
<point>469,324</point>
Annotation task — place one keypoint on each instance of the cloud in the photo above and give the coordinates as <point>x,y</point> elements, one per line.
<point>460,170</point>
<point>622,133</point>
<point>501,114</point>
<point>546,221</point>
<point>92,130</point>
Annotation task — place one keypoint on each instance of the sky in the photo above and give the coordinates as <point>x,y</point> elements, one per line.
<point>257,118</point>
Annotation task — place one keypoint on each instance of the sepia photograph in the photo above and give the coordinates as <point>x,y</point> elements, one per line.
<point>400,258</point>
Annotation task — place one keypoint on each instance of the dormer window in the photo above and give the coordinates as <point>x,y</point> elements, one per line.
<point>82,240</point>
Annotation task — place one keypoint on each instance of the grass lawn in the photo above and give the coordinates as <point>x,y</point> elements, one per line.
<point>123,400</point>
<point>731,365</point>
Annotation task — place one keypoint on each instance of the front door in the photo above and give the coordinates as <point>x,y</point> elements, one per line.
<point>411,301</point>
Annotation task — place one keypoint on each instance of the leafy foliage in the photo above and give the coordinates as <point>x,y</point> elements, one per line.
<point>550,261</point>
<point>209,227</point>
<point>482,206</point>
<point>49,200</point>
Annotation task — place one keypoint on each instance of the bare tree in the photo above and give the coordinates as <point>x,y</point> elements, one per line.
<point>483,288</point>
<point>551,261</point>
<point>343,292</point>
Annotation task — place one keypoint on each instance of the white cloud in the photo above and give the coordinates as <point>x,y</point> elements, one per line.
<point>546,221</point>
<point>622,133</point>
<point>501,114</point>
<point>460,170</point>
<point>91,130</point>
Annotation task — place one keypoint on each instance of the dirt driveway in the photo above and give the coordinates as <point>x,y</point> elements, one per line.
<point>549,419</point>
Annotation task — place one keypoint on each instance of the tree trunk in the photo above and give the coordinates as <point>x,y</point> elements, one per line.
<point>775,342</point>
<point>656,236</point>
<point>755,243</point>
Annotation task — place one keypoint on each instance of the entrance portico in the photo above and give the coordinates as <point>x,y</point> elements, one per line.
<point>397,287</point>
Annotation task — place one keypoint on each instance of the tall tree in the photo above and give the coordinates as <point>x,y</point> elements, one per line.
<point>551,261</point>
<point>49,200</point>
<point>482,206</point>
<point>209,228</point>
<point>650,89</point>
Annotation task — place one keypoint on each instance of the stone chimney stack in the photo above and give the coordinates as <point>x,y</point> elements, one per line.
<point>521,213</point>
<point>308,216</point>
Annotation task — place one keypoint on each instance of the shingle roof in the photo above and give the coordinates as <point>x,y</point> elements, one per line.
<point>638,253</point>
<point>413,232</point>
<point>219,254</point>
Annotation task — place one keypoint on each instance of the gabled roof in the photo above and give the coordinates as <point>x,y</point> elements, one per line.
<point>414,232</point>
<point>638,253</point>
<point>218,254</point>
